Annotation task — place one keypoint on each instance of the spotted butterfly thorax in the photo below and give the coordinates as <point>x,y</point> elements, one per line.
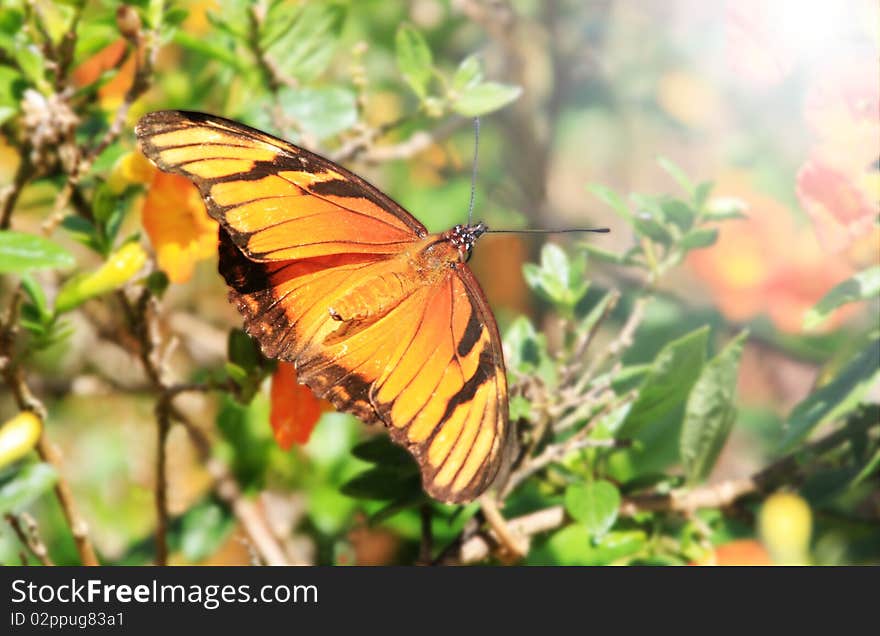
<point>378,315</point>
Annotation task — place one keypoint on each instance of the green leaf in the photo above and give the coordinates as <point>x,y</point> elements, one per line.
<point>414,59</point>
<point>485,98</point>
<point>676,173</point>
<point>595,505</point>
<point>527,349</point>
<point>382,484</point>
<point>571,546</point>
<point>869,469</point>
<point>835,399</point>
<point>614,200</point>
<point>242,350</point>
<point>22,252</point>
<point>244,428</point>
<point>605,256</point>
<point>519,407</point>
<point>11,21</point>
<point>323,112</point>
<point>710,412</point>
<point>725,208</point>
<point>701,194</point>
<point>219,49</point>
<point>862,286</point>
<point>646,224</point>
<point>204,528</point>
<point>306,47</point>
<point>596,312</point>
<point>629,377</point>
<point>12,85</point>
<point>26,485</point>
<point>83,231</point>
<point>37,298</point>
<point>31,63</point>
<point>559,279</point>
<point>382,451</point>
<point>329,510</point>
<point>666,386</point>
<point>468,74</point>
<point>696,239</point>
<point>679,213</point>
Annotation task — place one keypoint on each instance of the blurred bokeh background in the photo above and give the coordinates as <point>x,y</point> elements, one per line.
<point>777,103</point>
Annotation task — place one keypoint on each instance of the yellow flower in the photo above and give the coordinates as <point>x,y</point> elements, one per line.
<point>178,225</point>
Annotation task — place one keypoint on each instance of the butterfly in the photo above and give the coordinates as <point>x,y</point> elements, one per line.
<point>379,316</point>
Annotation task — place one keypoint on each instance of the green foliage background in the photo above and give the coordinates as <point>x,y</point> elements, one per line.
<point>624,385</point>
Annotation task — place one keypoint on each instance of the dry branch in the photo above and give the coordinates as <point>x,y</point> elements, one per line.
<point>482,544</point>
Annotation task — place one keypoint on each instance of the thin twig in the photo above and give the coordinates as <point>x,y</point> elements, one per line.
<point>13,376</point>
<point>30,537</point>
<point>619,345</point>
<point>145,47</point>
<point>274,78</point>
<point>513,544</point>
<point>585,340</point>
<point>10,193</point>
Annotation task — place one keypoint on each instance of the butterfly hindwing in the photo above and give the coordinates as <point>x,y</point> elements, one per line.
<point>332,275</point>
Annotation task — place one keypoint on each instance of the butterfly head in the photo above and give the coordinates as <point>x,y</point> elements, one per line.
<point>463,237</point>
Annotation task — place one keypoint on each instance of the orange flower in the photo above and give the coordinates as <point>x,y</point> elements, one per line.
<point>737,552</point>
<point>295,409</point>
<point>178,225</point>
<point>766,264</point>
<point>112,93</point>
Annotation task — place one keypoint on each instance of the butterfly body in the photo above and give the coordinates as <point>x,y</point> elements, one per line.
<point>379,316</point>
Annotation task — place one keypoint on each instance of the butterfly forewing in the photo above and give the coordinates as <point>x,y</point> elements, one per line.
<point>332,275</point>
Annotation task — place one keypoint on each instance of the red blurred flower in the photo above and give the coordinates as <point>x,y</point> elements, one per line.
<point>840,185</point>
<point>839,208</point>
<point>295,409</point>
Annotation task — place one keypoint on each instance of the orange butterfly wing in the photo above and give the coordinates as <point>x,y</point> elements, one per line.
<point>334,276</point>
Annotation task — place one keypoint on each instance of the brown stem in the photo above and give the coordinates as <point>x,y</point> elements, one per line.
<point>786,469</point>
<point>163,425</point>
<point>143,324</point>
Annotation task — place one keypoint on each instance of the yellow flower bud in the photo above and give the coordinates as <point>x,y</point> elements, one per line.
<point>18,436</point>
<point>116,271</point>
<point>785,525</point>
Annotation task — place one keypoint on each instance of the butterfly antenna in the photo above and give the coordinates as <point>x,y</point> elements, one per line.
<point>474,170</point>
<point>602,230</point>
<point>474,195</point>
